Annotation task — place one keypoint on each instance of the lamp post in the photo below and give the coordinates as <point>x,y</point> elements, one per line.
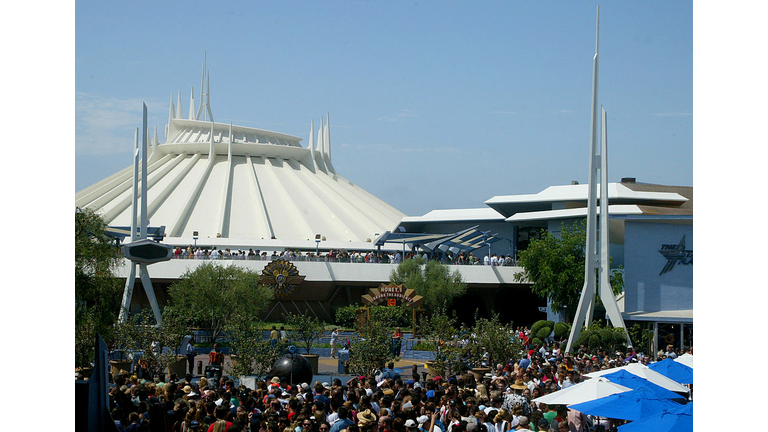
<point>317,247</point>
<point>402,238</point>
<point>194,236</point>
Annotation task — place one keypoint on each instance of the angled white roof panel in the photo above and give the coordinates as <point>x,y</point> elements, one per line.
<point>617,193</point>
<point>449,215</point>
<point>581,212</point>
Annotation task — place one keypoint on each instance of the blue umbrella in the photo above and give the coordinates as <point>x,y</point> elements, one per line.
<point>677,420</point>
<point>633,381</point>
<point>632,405</point>
<point>674,370</point>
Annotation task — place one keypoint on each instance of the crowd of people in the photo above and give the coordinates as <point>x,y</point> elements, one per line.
<point>339,255</point>
<point>500,401</point>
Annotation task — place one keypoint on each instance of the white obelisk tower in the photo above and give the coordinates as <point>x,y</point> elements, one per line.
<point>143,273</point>
<point>597,268</point>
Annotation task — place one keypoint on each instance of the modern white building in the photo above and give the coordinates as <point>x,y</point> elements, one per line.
<point>651,237</point>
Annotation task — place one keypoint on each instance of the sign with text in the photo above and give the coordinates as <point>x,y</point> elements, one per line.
<point>393,294</point>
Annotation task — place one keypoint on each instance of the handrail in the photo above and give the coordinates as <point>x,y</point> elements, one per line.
<point>360,259</point>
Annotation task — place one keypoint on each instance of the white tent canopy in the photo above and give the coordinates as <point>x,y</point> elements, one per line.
<point>582,392</point>
<point>686,359</point>
<point>644,372</point>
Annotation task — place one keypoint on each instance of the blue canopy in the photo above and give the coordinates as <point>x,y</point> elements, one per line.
<point>633,381</point>
<point>632,405</point>
<point>677,420</point>
<point>674,370</point>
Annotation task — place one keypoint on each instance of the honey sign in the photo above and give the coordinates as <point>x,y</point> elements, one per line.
<point>393,294</point>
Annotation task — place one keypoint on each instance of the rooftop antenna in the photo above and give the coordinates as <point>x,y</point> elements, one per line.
<point>597,260</point>
<point>205,103</point>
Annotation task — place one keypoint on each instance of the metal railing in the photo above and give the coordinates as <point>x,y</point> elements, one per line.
<point>353,259</point>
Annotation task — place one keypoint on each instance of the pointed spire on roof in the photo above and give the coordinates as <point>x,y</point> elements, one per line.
<point>179,108</point>
<point>170,117</point>
<point>192,103</point>
<point>327,143</point>
<point>320,150</point>
<point>204,110</point>
<point>311,147</point>
<point>208,96</point>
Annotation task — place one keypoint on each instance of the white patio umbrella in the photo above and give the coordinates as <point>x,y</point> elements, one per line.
<point>686,359</point>
<point>644,372</point>
<point>584,391</point>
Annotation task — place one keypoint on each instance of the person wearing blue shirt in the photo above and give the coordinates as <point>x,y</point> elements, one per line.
<point>343,421</point>
<point>524,363</point>
<point>390,372</point>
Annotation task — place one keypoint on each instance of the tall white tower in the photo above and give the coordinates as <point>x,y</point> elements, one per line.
<point>597,267</point>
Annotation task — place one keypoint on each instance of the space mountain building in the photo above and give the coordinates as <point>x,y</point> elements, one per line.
<point>224,185</point>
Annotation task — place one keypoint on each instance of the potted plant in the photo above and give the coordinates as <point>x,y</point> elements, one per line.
<point>251,354</point>
<point>371,348</point>
<point>440,330</point>
<point>305,329</point>
<point>492,343</point>
<point>159,344</point>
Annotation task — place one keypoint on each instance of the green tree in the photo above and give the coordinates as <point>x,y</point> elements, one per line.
<point>305,328</point>
<point>492,342</point>
<point>160,344</point>
<point>97,292</point>
<point>253,354</point>
<point>370,348</point>
<point>431,280</point>
<point>555,266</point>
<point>441,332</point>
<point>212,295</point>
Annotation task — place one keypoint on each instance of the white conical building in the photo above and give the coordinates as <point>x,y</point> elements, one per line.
<point>223,185</point>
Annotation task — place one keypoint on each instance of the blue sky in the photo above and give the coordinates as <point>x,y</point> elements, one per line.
<point>433,104</point>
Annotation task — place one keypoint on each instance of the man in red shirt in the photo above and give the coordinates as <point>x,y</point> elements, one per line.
<point>216,360</point>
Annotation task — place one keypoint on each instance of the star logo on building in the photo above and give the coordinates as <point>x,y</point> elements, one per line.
<point>675,254</point>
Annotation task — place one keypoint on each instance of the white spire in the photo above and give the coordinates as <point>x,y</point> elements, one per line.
<point>208,96</point>
<point>328,134</point>
<point>202,90</point>
<point>179,108</point>
<point>320,149</point>
<point>170,117</point>
<point>311,146</point>
<point>327,144</point>
<point>192,103</point>
<point>204,110</point>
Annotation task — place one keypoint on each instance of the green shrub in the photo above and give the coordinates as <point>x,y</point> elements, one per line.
<point>389,316</point>
<point>562,330</point>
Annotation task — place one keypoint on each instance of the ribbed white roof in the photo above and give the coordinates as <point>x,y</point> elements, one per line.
<point>243,186</point>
